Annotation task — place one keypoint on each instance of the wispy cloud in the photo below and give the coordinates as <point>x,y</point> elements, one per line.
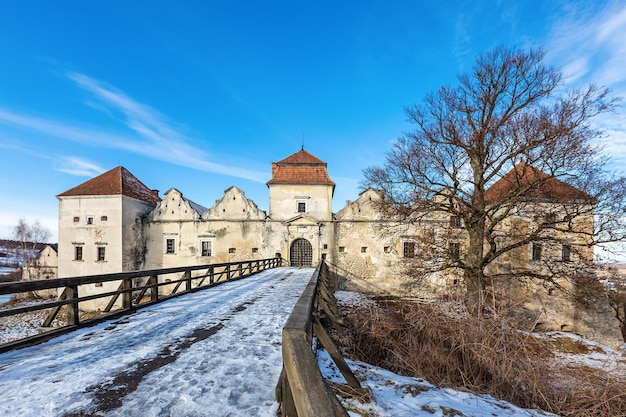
<point>149,133</point>
<point>590,46</point>
<point>78,166</point>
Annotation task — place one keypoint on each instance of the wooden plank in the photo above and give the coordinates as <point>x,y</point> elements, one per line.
<point>305,379</point>
<point>114,298</point>
<point>334,353</point>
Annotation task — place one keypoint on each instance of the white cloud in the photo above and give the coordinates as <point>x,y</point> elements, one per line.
<point>589,44</point>
<point>149,134</point>
<point>75,165</point>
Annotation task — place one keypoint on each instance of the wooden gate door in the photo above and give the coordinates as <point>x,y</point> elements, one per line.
<point>301,253</point>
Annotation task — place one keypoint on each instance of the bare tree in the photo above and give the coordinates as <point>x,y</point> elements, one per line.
<point>503,141</point>
<point>29,236</point>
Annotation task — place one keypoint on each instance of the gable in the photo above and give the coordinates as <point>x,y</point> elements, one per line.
<point>234,205</point>
<point>175,206</point>
<point>363,208</point>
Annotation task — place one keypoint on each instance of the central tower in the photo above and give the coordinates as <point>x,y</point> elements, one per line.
<point>301,195</point>
<point>300,186</point>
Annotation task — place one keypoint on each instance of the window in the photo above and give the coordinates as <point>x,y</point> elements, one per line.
<point>101,253</point>
<point>206,247</point>
<point>325,246</point>
<point>170,245</point>
<point>363,249</point>
<point>387,249</point>
<point>408,249</point>
<point>342,249</point>
<point>255,250</point>
<point>455,221</point>
<point>78,253</point>
<point>566,253</point>
<point>301,207</point>
<point>104,218</point>
<point>89,219</point>
<point>232,250</point>
<point>76,219</point>
<point>454,249</point>
<point>536,251</point>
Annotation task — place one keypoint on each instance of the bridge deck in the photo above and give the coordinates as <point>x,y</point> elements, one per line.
<point>216,352</point>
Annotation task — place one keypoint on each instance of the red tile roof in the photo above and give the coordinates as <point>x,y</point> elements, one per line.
<point>300,168</point>
<point>528,182</point>
<point>118,181</point>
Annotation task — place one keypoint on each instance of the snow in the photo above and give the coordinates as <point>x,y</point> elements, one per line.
<point>215,352</point>
<point>398,396</point>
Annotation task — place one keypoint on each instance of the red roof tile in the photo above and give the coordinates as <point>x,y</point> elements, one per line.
<point>118,181</point>
<point>528,182</point>
<point>300,168</point>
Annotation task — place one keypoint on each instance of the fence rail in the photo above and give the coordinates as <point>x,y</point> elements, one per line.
<point>301,390</point>
<point>136,289</point>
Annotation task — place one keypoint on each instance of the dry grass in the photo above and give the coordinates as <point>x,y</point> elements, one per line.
<point>487,356</point>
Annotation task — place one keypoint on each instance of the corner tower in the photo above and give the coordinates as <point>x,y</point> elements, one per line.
<point>300,186</point>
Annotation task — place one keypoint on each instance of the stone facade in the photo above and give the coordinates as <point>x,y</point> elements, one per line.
<point>138,230</point>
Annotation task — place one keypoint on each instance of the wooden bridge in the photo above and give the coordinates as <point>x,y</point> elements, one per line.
<point>214,352</point>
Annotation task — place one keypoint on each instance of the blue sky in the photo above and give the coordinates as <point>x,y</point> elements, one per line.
<point>204,95</point>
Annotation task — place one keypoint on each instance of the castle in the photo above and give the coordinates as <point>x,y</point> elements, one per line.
<point>114,223</point>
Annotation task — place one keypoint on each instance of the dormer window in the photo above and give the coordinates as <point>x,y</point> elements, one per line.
<point>301,207</point>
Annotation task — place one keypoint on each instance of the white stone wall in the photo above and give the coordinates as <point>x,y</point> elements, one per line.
<point>284,201</point>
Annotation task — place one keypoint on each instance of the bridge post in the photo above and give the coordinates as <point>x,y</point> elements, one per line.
<point>72,309</point>
<point>154,291</point>
<point>188,280</point>
<point>127,296</point>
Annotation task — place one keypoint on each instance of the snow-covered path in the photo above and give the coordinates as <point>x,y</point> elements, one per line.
<point>216,352</point>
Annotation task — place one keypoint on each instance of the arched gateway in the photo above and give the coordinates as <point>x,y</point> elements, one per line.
<point>301,253</point>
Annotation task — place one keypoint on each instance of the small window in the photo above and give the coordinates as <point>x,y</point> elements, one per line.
<point>104,218</point>
<point>363,249</point>
<point>455,221</point>
<point>278,255</point>
<point>536,251</point>
<point>454,249</point>
<point>408,249</point>
<point>342,249</point>
<point>255,250</point>
<point>387,249</point>
<point>566,253</point>
<point>101,253</point>
<point>90,220</point>
<point>325,246</point>
<point>170,245</point>
<point>76,219</point>
<point>301,207</point>
<point>232,250</point>
<point>78,253</point>
<point>206,248</point>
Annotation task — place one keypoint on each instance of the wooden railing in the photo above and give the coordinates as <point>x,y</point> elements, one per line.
<point>136,289</point>
<point>301,390</point>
